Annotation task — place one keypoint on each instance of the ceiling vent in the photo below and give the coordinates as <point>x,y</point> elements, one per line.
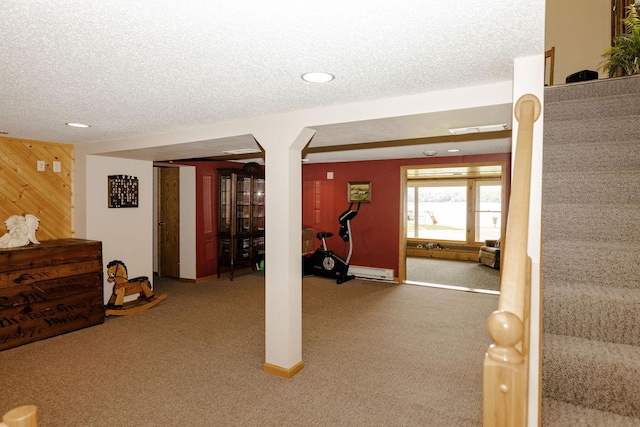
<point>242,151</point>
<point>478,129</point>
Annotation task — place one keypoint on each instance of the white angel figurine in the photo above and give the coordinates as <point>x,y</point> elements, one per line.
<point>22,230</point>
<point>33,223</point>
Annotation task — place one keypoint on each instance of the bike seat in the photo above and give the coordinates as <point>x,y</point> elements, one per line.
<point>322,234</point>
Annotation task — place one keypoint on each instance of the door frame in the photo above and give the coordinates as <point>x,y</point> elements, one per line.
<point>188,221</point>
<point>402,249</point>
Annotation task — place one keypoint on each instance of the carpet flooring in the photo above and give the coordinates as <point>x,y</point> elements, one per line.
<point>467,274</point>
<point>375,354</point>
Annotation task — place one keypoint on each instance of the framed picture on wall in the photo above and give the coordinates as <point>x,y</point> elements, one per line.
<point>359,191</point>
<point>123,191</point>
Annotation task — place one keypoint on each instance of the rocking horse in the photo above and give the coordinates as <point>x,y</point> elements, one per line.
<point>123,287</point>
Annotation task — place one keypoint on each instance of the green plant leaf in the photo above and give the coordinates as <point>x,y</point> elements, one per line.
<point>622,58</point>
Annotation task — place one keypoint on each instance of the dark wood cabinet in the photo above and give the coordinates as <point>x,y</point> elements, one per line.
<point>241,218</point>
<point>49,289</point>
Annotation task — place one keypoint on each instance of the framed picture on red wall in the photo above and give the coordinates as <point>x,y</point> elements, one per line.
<point>359,191</point>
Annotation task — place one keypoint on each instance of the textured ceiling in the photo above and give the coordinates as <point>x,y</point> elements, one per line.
<point>130,68</point>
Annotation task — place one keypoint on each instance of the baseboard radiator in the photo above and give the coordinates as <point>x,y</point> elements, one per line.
<point>371,272</point>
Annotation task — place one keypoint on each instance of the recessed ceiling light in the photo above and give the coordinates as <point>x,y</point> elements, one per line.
<point>453,150</point>
<point>317,77</point>
<point>430,153</point>
<point>478,129</point>
<point>77,125</point>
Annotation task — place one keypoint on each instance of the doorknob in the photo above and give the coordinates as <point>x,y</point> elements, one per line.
<point>161,223</point>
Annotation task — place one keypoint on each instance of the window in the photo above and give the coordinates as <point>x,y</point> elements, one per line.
<point>465,209</point>
<point>488,210</point>
<point>438,210</point>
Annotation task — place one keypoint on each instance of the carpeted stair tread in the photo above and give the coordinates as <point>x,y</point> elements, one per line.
<point>607,264</point>
<point>593,223</point>
<point>612,187</point>
<point>592,89</point>
<point>597,108</point>
<point>591,254</point>
<point>591,373</point>
<point>602,132</point>
<point>603,156</point>
<point>591,311</point>
<point>556,413</point>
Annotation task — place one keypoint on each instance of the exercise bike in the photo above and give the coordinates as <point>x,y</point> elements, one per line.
<point>324,262</point>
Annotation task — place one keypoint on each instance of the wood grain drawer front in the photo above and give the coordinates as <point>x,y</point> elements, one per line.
<point>35,321</point>
<point>35,275</point>
<point>52,252</point>
<point>49,289</point>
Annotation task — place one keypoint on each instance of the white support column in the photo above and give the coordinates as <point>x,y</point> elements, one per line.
<point>283,259</point>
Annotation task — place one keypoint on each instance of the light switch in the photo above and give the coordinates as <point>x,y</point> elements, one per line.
<point>57,167</point>
<point>40,165</point>
<point>329,175</point>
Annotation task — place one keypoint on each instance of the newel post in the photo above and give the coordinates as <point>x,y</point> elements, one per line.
<point>23,416</point>
<point>504,371</point>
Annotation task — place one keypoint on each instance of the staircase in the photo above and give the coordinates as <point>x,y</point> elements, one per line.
<point>591,254</point>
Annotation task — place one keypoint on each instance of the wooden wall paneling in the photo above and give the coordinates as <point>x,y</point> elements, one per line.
<point>47,195</point>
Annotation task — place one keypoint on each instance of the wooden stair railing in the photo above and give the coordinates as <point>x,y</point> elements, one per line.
<point>23,416</point>
<point>506,367</point>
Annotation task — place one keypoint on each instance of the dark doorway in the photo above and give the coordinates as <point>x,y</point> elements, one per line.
<point>169,222</point>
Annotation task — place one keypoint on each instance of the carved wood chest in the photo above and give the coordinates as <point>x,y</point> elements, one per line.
<point>49,289</point>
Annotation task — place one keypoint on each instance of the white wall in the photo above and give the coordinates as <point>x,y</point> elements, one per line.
<point>580,30</point>
<point>187,222</point>
<point>125,233</point>
<point>529,79</point>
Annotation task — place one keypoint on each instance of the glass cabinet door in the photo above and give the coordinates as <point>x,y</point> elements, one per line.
<point>241,218</point>
<point>258,246</point>
<point>243,204</point>
<point>257,209</point>
<point>225,250</point>
<point>225,204</point>
<point>243,251</point>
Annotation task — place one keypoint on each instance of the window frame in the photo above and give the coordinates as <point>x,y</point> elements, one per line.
<point>471,182</point>
<point>478,183</point>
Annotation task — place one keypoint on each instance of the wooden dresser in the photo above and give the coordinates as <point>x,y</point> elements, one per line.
<point>49,289</point>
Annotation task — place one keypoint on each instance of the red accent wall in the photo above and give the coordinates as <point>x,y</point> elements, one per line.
<point>376,229</point>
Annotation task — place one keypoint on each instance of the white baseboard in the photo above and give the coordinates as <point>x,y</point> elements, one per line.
<point>371,272</point>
